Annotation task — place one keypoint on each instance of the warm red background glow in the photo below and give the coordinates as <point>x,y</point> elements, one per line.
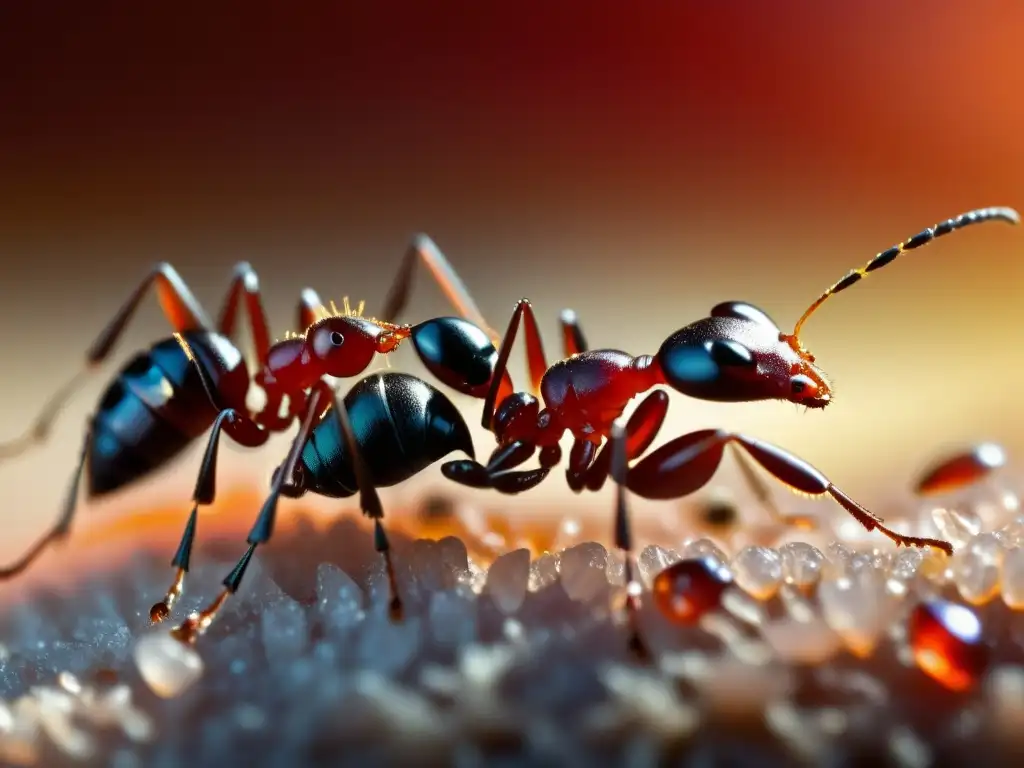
<point>639,165</point>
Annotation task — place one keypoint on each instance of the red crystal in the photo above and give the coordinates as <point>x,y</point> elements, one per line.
<point>687,590</point>
<point>948,643</point>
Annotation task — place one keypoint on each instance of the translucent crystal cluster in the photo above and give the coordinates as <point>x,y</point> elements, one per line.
<point>797,651</point>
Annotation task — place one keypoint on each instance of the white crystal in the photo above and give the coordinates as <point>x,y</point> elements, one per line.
<point>758,571</point>
<point>957,526</point>
<point>1013,579</point>
<point>801,563</point>
<point>977,568</point>
<point>838,558</point>
<point>339,599</point>
<point>387,647</point>
<point>168,666</point>
<point>704,548</point>
<point>801,642</point>
<point>543,572</point>
<point>583,571</point>
<point>508,580</point>
<point>1005,694</point>
<point>452,618</point>
<point>284,629</point>
<point>743,606</point>
<point>858,608</point>
<point>797,605</point>
<point>653,560</point>
<point>906,563</point>
<point>1012,534</point>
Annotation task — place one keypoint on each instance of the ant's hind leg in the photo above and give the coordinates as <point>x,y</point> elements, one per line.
<point>63,525</point>
<point>687,463</point>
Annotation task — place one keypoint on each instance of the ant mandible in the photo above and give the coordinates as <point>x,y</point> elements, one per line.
<point>197,380</point>
<point>736,354</point>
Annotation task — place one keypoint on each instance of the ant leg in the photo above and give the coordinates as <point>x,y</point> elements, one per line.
<point>581,458</point>
<point>196,624</point>
<point>423,249</point>
<point>244,432</point>
<point>179,306</point>
<point>623,537</point>
<point>573,340</point>
<point>687,463</point>
<point>246,281</point>
<point>498,473</point>
<point>641,430</point>
<point>535,358</point>
<point>310,308</point>
<point>63,524</point>
<point>369,502</point>
<point>764,495</point>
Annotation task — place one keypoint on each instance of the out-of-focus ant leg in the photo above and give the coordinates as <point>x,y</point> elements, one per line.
<point>687,463</point>
<point>246,283</point>
<point>183,312</point>
<point>63,525</point>
<point>179,306</point>
<point>423,249</point>
<point>764,495</point>
<point>535,358</point>
<point>623,537</point>
<point>573,340</point>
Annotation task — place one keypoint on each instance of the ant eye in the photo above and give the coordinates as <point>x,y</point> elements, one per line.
<point>337,339</point>
<point>730,353</point>
<point>801,383</point>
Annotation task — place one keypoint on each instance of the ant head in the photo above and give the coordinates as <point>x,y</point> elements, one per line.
<point>738,354</point>
<point>344,346</point>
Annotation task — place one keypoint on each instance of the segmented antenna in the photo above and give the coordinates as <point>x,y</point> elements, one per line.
<point>888,256</point>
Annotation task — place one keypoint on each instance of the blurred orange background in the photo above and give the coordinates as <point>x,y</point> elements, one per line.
<point>638,166</point>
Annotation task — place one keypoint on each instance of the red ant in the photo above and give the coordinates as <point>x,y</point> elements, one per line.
<point>197,380</point>
<point>736,354</point>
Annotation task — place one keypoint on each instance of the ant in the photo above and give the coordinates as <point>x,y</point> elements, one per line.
<point>399,425</point>
<point>197,380</point>
<point>736,354</point>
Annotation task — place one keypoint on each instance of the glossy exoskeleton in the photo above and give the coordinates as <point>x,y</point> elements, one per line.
<point>197,380</point>
<point>736,354</point>
<point>389,427</point>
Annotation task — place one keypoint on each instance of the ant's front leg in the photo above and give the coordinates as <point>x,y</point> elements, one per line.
<point>243,431</point>
<point>686,464</point>
<point>262,529</point>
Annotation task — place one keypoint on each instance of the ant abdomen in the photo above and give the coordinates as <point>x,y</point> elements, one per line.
<point>401,424</point>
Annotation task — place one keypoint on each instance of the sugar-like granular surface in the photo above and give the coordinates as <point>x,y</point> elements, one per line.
<point>516,658</point>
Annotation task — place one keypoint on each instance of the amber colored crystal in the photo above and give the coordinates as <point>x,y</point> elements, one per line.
<point>948,643</point>
<point>687,590</point>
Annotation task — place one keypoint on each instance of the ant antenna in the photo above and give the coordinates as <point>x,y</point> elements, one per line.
<point>880,260</point>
